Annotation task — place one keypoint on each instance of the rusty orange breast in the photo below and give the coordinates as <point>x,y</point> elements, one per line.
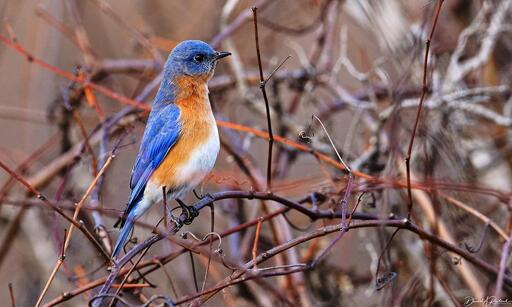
<point>197,122</point>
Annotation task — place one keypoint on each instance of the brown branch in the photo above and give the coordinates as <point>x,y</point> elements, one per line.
<point>157,262</point>
<point>420,106</point>
<point>67,238</point>
<point>60,260</point>
<point>105,91</point>
<point>136,105</point>
<point>118,290</point>
<point>11,296</point>
<point>505,254</point>
<point>401,224</point>
<point>255,245</point>
<point>186,218</point>
<point>45,200</point>
<point>265,98</point>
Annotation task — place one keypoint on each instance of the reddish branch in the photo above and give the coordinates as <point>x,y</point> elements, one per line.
<point>250,270</point>
<point>45,200</point>
<point>105,91</point>
<point>420,106</point>
<point>210,200</point>
<point>135,106</point>
<point>158,262</point>
<point>401,224</point>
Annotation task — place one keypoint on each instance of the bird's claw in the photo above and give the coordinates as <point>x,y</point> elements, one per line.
<point>190,211</point>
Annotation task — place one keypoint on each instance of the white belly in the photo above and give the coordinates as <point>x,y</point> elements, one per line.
<point>199,164</point>
<point>201,160</point>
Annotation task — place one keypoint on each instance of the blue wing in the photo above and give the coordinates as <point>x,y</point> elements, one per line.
<point>162,132</point>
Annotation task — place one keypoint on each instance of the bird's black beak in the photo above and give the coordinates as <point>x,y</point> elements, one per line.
<point>221,54</point>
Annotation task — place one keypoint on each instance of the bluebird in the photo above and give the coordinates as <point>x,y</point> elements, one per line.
<point>181,141</point>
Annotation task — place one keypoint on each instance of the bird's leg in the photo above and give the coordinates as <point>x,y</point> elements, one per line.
<point>182,204</point>
<point>197,195</point>
<point>189,210</point>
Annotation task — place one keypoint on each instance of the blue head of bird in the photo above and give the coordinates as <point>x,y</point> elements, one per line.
<point>194,58</point>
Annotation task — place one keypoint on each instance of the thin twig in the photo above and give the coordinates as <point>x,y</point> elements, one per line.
<point>60,260</point>
<point>263,82</point>
<point>265,98</point>
<point>344,202</point>
<point>121,286</point>
<point>105,91</point>
<point>401,224</point>
<point>67,238</point>
<point>164,204</point>
<point>61,212</point>
<point>255,245</point>
<point>212,230</point>
<point>11,295</point>
<point>162,260</point>
<point>193,266</point>
<point>502,268</point>
<point>418,112</point>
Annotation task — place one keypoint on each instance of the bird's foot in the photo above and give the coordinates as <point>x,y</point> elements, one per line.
<point>190,212</point>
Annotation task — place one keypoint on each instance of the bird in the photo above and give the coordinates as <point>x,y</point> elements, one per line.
<point>180,143</point>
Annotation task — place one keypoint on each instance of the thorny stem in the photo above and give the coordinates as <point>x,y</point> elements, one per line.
<point>159,262</point>
<point>415,127</point>
<point>184,216</point>
<point>162,260</point>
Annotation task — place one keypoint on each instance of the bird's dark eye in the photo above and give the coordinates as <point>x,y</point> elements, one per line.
<point>199,58</point>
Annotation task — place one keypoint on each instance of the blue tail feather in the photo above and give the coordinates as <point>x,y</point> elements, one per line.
<point>124,233</point>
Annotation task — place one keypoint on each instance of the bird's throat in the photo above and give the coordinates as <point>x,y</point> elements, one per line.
<point>191,89</point>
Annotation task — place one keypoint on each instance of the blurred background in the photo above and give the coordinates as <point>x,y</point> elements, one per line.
<point>358,65</point>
